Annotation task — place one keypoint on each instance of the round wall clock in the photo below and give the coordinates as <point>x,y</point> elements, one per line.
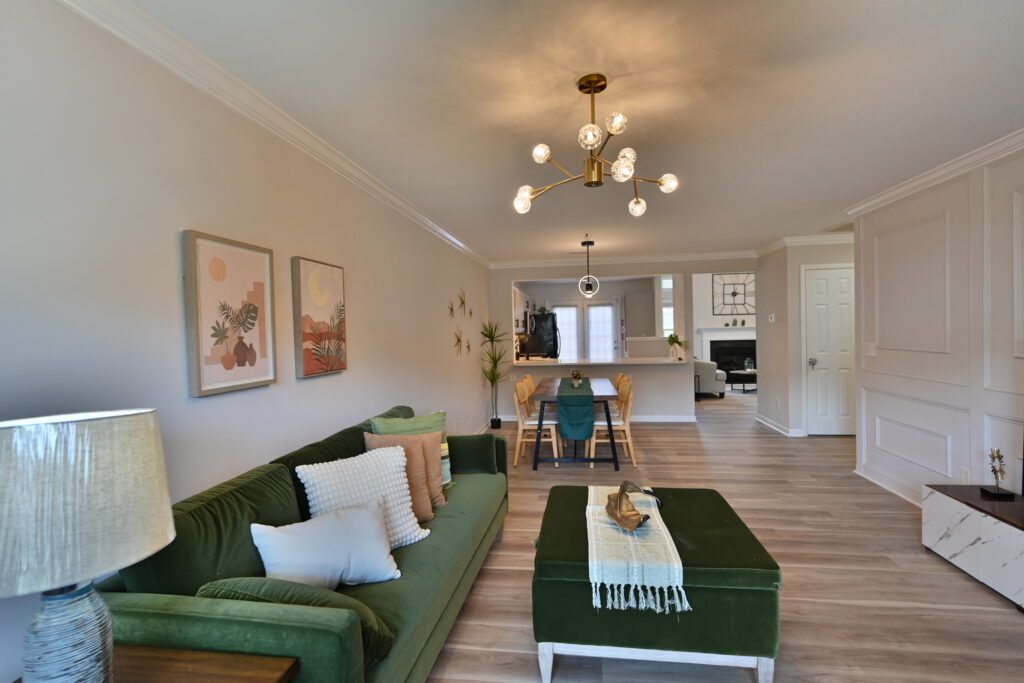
<point>732,294</point>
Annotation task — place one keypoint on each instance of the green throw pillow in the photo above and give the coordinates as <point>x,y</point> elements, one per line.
<point>421,424</point>
<point>377,637</point>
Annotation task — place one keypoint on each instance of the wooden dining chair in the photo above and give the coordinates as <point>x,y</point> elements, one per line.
<point>618,379</point>
<point>620,425</point>
<point>527,431</point>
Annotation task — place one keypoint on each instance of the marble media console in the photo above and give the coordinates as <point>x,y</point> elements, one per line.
<point>985,538</point>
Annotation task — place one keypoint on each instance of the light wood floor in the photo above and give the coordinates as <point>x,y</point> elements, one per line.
<point>862,600</point>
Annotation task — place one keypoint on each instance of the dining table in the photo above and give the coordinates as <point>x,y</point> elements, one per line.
<point>547,392</point>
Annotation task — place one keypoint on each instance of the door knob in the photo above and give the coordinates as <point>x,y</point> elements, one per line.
<point>812,362</point>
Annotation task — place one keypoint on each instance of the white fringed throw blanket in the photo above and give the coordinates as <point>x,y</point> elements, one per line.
<point>633,569</point>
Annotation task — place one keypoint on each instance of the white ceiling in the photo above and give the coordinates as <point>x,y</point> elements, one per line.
<point>774,115</point>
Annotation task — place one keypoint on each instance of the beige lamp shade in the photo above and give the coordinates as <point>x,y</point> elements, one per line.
<point>80,496</point>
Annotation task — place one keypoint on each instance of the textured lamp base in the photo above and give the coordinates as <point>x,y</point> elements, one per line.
<point>70,638</point>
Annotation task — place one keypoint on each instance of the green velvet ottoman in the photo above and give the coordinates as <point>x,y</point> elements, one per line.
<point>731,582</point>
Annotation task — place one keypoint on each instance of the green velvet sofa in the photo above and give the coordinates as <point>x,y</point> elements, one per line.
<point>154,602</point>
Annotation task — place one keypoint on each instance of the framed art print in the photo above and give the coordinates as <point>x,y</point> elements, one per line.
<point>229,314</point>
<point>318,308</point>
<point>732,294</point>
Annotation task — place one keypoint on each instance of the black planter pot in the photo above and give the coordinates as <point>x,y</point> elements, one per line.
<point>495,423</point>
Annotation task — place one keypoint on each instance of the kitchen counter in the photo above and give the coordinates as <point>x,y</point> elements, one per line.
<point>554,362</point>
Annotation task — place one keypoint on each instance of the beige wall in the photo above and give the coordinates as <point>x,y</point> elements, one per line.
<point>773,339</point>
<point>780,361</point>
<point>501,280</point>
<point>703,308</point>
<point>106,158</point>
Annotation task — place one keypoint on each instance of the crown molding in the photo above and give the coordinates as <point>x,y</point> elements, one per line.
<point>806,241</point>
<point>615,260</point>
<point>991,152</point>
<point>143,32</point>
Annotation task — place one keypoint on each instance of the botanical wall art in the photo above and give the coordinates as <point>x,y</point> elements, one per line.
<point>229,314</point>
<point>318,305</point>
<point>460,306</point>
<point>733,293</point>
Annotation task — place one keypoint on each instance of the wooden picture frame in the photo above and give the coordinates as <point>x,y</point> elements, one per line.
<point>229,314</point>
<point>319,318</point>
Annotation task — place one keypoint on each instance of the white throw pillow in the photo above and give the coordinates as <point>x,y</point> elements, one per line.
<point>348,546</point>
<point>376,474</point>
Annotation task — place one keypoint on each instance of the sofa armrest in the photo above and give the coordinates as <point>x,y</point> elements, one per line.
<point>478,454</point>
<point>325,640</point>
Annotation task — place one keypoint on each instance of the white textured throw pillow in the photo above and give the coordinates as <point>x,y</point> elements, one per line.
<point>361,480</point>
<point>348,546</point>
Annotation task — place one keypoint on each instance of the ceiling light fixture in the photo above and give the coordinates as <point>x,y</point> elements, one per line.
<point>588,283</point>
<point>594,140</point>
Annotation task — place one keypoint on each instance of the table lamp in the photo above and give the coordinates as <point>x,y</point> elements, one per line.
<point>80,496</point>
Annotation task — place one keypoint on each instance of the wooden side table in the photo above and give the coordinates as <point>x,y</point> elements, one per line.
<point>138,664</point>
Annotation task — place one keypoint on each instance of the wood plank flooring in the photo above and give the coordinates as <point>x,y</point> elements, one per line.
<point>862,600</point>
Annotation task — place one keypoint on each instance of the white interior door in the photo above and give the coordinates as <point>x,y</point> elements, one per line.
<point>828,320</point>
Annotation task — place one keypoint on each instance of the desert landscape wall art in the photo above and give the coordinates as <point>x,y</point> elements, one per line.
<point>229,314</point>
<point>318,305</point>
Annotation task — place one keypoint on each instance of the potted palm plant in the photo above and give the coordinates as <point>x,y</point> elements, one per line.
<point>493,357</point>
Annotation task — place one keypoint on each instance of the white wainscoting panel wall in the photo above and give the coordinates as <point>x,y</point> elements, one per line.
<point>940,327</point>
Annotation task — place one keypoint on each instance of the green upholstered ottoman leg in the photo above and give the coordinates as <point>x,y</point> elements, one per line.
<point>764,666</point>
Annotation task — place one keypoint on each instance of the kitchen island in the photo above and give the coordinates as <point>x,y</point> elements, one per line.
<point>662,387</point>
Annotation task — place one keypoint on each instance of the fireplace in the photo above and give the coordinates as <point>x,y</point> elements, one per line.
<point>729,354</point>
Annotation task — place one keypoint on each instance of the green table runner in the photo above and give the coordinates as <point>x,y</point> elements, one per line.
<point>575,410</point>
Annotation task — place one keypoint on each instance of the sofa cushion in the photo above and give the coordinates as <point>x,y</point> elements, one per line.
<point>362,480</point>
<point>422,468</point>
<point>348,545</point>
<point>421,424</point>
<point>344,444</point>
<point>213,540</point>
<point>431,570</point>
<point>377,637</point>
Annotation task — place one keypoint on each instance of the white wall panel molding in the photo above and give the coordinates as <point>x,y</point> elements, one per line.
<point>1018,274</point>
<point>1002,277</point>
<point>922,447</point>
<point>128,22</point>
<point>990,153</point>
<point>910,286</point>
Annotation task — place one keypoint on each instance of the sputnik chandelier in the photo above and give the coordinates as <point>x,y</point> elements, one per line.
<point>594,140</point>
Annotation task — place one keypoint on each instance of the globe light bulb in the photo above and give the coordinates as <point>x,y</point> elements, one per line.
<point>616,123</point>
<point>622,170</point>
<point>637,207</point>
<point>668,183</point>
<point>541,153</point>
<point>629,154</point>
<point>525,191</point>
<point>522,204</point>
<point>590,136</point>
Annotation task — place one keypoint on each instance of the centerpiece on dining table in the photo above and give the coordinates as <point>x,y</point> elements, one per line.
<point>577,377</point>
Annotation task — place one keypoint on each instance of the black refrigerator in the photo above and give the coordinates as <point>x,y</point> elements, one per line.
<point>541,338</point>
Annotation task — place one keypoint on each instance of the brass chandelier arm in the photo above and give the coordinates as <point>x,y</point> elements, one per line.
<point>647,180</point>
<point>559,167</point>
<point>541,190</point>
<point>636,189</point>
<point>604,144</point>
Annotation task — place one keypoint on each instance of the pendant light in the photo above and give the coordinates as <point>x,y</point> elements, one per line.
<point>588,283</point>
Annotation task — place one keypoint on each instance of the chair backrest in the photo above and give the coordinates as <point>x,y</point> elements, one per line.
<point>626,400</point>
<point>521,399</point>
<point>623,387</point>
<point>531,387</point>
<point>618,379</point>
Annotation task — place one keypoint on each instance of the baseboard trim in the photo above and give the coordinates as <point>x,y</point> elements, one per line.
<point>785,431</point>
<point>891,487</point>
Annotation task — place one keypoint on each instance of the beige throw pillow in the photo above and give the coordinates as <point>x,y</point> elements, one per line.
<point>419,473</point>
